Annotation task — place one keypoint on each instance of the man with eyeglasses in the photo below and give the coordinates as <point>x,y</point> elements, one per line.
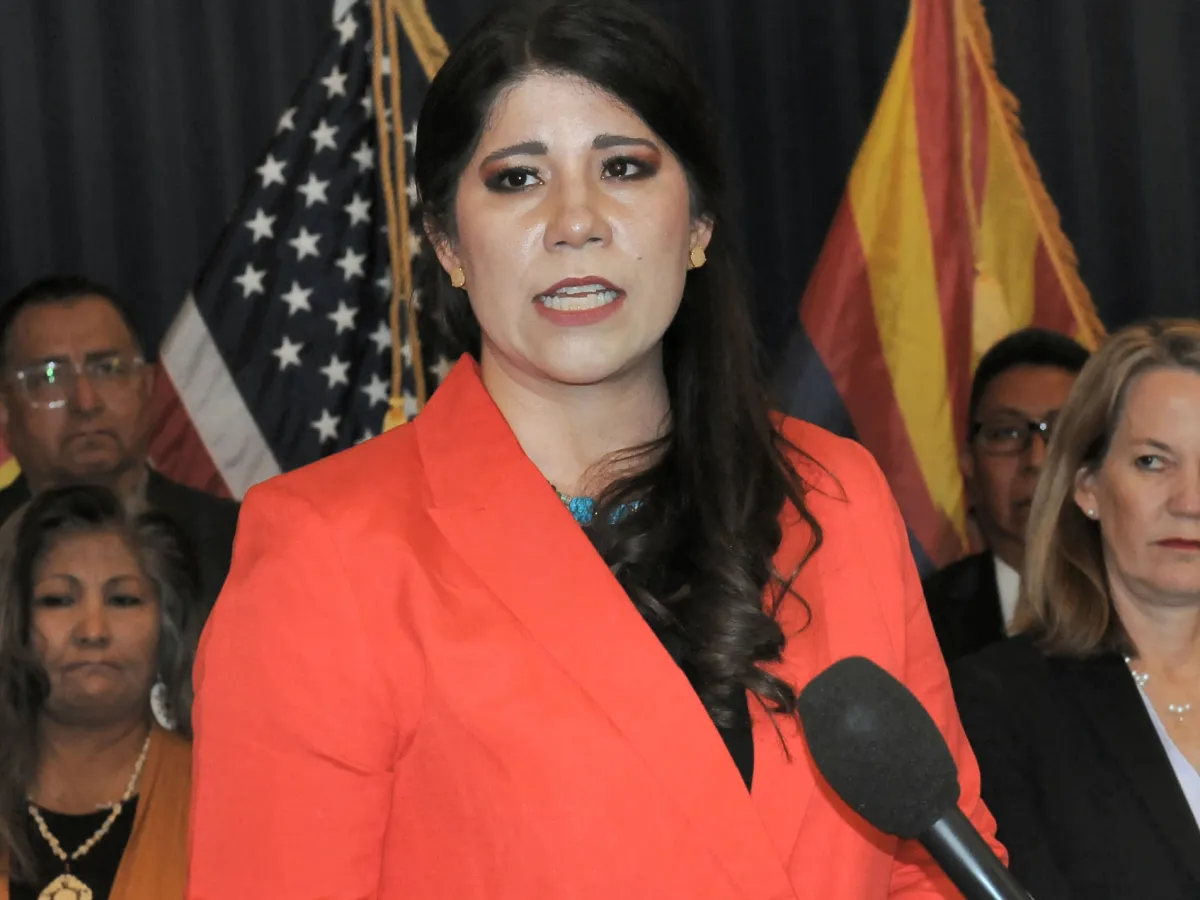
<point>75,408</point>
<point>1018,388</point>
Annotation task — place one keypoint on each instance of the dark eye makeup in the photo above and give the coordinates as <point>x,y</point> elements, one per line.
<point>514,179</point>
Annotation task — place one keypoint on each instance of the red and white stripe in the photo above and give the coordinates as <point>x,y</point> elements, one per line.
<point>204,435</point>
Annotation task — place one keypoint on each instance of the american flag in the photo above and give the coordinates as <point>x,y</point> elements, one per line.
<point>283,352</point>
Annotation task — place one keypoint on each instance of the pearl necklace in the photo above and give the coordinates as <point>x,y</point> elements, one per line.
<point>1178,710</point>
<point>67,886</point>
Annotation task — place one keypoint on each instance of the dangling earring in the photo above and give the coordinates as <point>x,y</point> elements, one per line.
<point>160,707</point>
<point>696,258</point>
<point>458,278</point>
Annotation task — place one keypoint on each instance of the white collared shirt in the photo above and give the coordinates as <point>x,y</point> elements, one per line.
<point>1189,778</point>
<point>1008,585</point>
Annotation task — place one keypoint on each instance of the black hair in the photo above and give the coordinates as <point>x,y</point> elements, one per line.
<point>696,554</point>
<point>1027,347</point>
<point>168,560</point>
<point>59,289</point>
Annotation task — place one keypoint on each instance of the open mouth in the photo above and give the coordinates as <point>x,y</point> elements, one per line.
<point>580,298</point>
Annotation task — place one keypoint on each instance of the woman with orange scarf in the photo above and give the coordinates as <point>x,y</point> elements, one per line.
<point>93,666</point>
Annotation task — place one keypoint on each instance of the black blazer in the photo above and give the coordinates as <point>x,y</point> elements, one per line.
<point>1081,787</point>
<point>207,521</point>
<point>964,604</point>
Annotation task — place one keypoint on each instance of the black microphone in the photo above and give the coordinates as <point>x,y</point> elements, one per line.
<point>882,753</point>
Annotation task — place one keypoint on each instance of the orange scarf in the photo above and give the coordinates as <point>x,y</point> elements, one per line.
<point>155,860</point>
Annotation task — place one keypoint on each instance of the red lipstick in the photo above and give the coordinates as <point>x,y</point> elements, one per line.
<point>1180,544</point>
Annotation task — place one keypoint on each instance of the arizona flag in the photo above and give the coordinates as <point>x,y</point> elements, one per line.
<point>945,241</point>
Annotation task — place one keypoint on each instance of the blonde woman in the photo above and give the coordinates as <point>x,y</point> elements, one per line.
<point>1087,723</point>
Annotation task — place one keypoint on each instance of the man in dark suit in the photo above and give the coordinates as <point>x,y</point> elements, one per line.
<point>75,407</point>
<point>1018,388</point>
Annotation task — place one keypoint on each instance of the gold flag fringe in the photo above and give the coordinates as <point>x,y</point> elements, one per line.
<point>428,45</point>
<point>431,51</point>
<point>973,28</point>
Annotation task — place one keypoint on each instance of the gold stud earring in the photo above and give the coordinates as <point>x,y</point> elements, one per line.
<point>696,258</point>
<point>458,278</point>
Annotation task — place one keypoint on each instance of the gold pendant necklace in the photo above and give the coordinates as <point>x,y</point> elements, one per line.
<point>66,886</point>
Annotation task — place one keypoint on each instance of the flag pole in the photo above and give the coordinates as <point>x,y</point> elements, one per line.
<point>397,214</point>
<point>431,50</point>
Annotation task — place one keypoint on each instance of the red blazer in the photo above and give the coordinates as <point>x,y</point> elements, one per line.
<point>421,681</point>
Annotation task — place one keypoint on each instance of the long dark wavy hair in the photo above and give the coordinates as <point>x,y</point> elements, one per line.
<point>167,561</point>
<point>696,554</point>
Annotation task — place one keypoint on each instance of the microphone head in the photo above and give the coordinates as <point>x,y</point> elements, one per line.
<point>878,748</point>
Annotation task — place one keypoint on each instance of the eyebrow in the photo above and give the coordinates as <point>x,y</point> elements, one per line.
<point>65,576</point>
<point>538,148</point>
<point>115,580</point>
<point>1150,442</point>
<point>63,359</point>
<point>608,141</point>
<point>1016,413</point>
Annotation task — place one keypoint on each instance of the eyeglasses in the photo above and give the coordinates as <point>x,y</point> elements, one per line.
<point>1010,437</point>
<point>51,384</point>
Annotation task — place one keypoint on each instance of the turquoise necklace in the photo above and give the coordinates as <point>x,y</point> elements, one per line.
<point>583,509</point>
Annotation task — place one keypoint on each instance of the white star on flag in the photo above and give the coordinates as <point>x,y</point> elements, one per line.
<point>262,226</point>
<point>384,282</point>
<point>368,105</point>
<point>382,337</point>
<point>251,281</point>
<point>323,137</point>
<point>327,426</point>
<point>313,190</point>
<point>377,390</point>
<point>364,157</point>
<point>343,317</point>
<point>297,298</point>
<point>335,83</point>
<point>335,371</point>
<point>410,136</point>
<point>271,171</point>
<point>347,28</point>
<point>357,209</point>
<point>287,353</point>
<point>366,436</point>
<point>351,264</point>
<point>305,244</point>
<point>411,190</point>
<point>287,121</point>
<point>442,368</point>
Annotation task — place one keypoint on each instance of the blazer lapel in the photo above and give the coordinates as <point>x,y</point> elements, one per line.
<point>1106,694</point>
<point>506,522</point>
<point>785,777</point>
<point>989,619</point>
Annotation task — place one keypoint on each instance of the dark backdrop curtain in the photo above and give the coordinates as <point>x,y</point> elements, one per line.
<point>127,128</point>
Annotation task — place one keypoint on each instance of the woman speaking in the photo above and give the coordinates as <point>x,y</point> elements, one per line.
<point>546,641</point>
